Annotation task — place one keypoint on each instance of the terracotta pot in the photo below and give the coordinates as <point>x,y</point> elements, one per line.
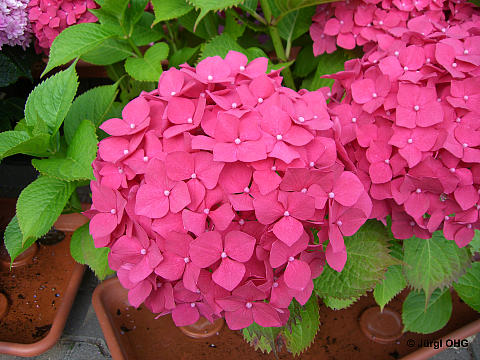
<point>203,328</point>
<point>3,305</point>
<point>135,334</point>
<point>23,259</point>
<point>40,295</point>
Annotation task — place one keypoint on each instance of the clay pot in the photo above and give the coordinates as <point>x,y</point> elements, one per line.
<point>381,326</point>
<point>23,259</point>
<point>39,294</point>
<point>202,328</point>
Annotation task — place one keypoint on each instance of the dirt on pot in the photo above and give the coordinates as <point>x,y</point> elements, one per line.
<point>134,334</point>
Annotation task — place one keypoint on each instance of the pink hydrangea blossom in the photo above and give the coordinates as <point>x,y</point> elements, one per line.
<point>227,173</point>
<point>417,150</point>
<point>50,17</point>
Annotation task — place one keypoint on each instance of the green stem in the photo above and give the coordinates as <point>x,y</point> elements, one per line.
<point>267,12</point>
<point>134,47</point>
<point>172,37</point>
<point>280,51</point>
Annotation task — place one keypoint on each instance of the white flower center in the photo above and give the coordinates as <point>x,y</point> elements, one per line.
<point>286,213</point>
<point>339,223</point>
<point>301,119</point>
<point>412,223</point>
<point>206,211</point>
<point>454,65</point>
<point>248,305</point>
<point>279,137</point>
<point>132,126</point>
<point>304,190</point>
<point>241,222</point>
<point>354,120</point>
<point>380,22</point>
<point>120,170</point>
<point>374,95</point>
<point>458,119</point>
<point>223,255</point>
<point>247,189</point>
<point>242,68</point>
<point>465,52</point>
<point>410,141</point>
<point>145,158</point>
<point>143,251</point>
<point>234,105</point>
<point>275,284</point>
<point>405,68</point>
<point>210,77</point>
<point>166,193</point>
<point>186,259</point>
<point>173,93</point>
<point>113,211</point>
<point>125,152</point>
<point>446,217</point>
<point>192,305</point>
<point>238,141</point>
<point>428,60</point>
<point>418,191</point>
<point>291,258</point>
<point>311,164</point>
<point>193,176</point>
<point>465,97</point>
<point>416,107</point>
<point>396,53</point>
<point>469,226</point>
<point>387,161</point>
<point>189,120</point>
<point>331,195</point>
<point>465,145</point>
<point>452,170</point>
<point>260,100</point>
<point>273,168</point>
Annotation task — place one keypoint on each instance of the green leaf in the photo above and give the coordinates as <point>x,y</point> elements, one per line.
<point>84,251</point>
<point>148,68</point>
<point>211,5</point>
<point>48,104</point>
<point>434,263</point>
<point>8,71</point>
<point>328,64</point>
<point>20,142</point>
<point>262,338</point>
<point>250,5</point>
<point>207,29</point>
<point>110,52</point>
<point>232,25</point>
<point>296,23</point>
<point>425,320</point>
<point>143,32</point>
<point>475,243</point>
<point>220,45</point>
<point>338,304</point>
<point>40,204</point>
<point>134,12</point>
<point>93,105</point>
<point>468,286</point>
<point>367,261</point>
<point>182,56</point>
<point>393,283</point>
<point>80,154</point>
<point>303,329</point>
<point>169,9</point>
<point>75,41</point>
<point>13,239</point>
<point>280,8</point>
<point>306,62</point>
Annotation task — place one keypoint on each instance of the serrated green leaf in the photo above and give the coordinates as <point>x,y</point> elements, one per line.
<point>170,9</point>
<point>281,8</point>
<point>367,261</point>
<point>338,304</point>
<point>296,23</point>
<point>110,52</point>
<point>20,142</point>
<point>134,12</point>
<point>249,5</point>
<point>262,338</point>
<point>83,250</point>
<point>475,243</point>
<point>75,41</point>
<point>303,331</point>
<point>233,27</point>
<point>80,154</point>
<point>148,68</point>
<point>13,239</point>
<point>434,263</point>
<point>220,45</point>
<point>306,62</point>
<point>468,286</point>
<point>393,283</point>
<point>328,64</point>
<point>40,204</point>
<point>48,104</point>
<point>93,105</point>
<point>144,32</point>
<point>425,320</point>
<point>211,5</point>
<point>182,56</point>
<point>206,29</point>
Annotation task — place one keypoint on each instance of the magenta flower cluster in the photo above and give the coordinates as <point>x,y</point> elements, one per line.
<point>352,23</point>
<point>50,17</point>
<point>14,26</point>
<point>209,186</point>
<point>409,115</point>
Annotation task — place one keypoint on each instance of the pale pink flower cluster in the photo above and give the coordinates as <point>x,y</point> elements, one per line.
<point>409,113</point>
<point>50,17</point>
<point>208,188</point>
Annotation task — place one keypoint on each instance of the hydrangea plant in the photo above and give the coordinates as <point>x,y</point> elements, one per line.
<point>219,190</point>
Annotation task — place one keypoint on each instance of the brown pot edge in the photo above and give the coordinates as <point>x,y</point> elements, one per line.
<point>104,320</point>
<point>59,321</point>
<point>464,332</point>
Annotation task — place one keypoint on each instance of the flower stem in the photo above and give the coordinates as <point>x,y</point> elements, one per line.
<point>134,47</point>
<point>172,37</point>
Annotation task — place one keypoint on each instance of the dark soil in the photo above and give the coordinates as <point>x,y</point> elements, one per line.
<point>142,337</point>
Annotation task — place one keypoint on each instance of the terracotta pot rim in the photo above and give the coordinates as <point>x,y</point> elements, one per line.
<point>22,260</point>
<point>216,326</point>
